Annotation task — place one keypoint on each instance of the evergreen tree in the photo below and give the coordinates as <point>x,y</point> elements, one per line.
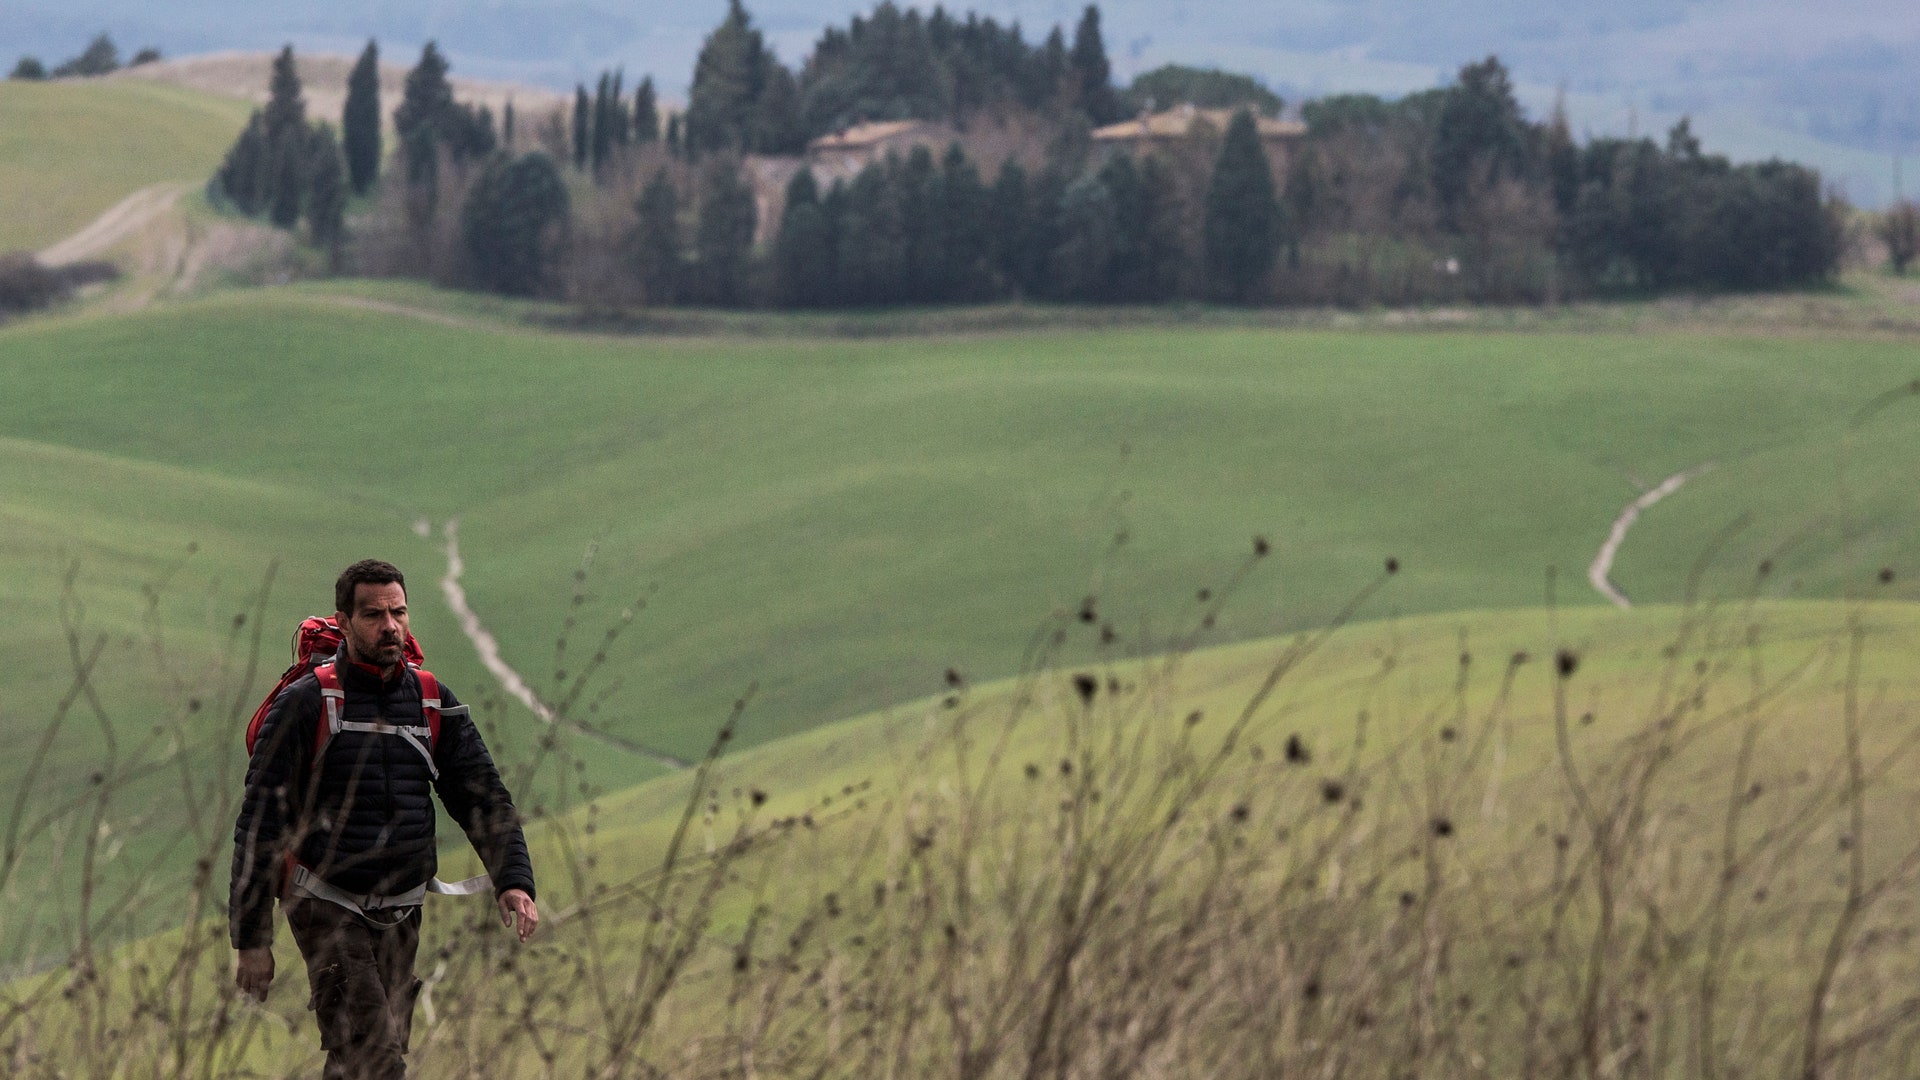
<point>511,221</point>
<point>1208,88</point>
<point>1162,251</point>
<point>1080,265</point>
<point>676,145</point>
<point>582,127</point>
<point>803,253</point>
<point>622,133</point>
<point>723,233</point>
<point>871,254</point>
<point>914,187</point>
<point>286,108</point>
<point>603,106</point>
<point>1479,135</point>
<point>427,98</point>
<point>243,175</point>
<point>968,274</point>
<point>776,115</point>
<point>29,69</point>
<point>1091,75</point>
<point>291,158</point>
<point>326,194</point>
<point>1006,226</point>
<point>1047,72</point>
<point>728,78</point>
<point>506,127</point>
<point>360,120</point>
<point>657,240</point>
<point>646,113</point>
<point>1242,229</point>
<point>100,57</point>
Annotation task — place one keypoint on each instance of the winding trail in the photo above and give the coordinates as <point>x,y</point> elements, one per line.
<point>120,221</point>
<point>1600,573</point>
<point>489,649</point>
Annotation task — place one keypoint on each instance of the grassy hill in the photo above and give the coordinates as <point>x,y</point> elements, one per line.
<point>1511,840</point>
<point>836,523</point>
<point>69,150</point>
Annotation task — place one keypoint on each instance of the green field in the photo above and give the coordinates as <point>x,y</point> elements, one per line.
<point>832,523</point>
<point>820,949</point>
<point>69,150</point>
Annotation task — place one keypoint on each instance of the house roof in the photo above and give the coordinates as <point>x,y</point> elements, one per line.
<point>862,135</point>
<point>1178,124</point>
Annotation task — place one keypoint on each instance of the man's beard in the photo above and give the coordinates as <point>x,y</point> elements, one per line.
<point>383,651</point>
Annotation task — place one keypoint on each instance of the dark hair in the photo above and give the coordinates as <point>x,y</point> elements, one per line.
<point>365,572</point>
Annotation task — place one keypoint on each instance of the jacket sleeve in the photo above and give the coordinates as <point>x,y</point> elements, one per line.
<point>261,834</point>
<point>475,797</point>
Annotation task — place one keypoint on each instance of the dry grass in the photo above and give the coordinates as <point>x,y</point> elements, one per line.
<point>1178,866</point>
<point>323,78</point>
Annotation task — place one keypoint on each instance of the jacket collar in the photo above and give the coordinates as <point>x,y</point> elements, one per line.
<point>365,676</point>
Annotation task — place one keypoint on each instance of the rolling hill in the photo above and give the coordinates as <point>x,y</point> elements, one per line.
<point>70,150</point>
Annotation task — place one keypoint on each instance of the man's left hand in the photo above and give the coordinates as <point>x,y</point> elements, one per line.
<point>515,903</point>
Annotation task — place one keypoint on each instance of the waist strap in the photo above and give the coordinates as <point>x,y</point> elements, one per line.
<point>309,884</point>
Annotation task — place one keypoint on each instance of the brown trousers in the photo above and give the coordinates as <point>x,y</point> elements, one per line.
<point>360,971</point>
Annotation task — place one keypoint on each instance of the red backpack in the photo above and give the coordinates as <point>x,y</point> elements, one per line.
<point>314,645</point>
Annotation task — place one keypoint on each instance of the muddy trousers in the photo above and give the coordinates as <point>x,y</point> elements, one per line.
<point>360,971</point>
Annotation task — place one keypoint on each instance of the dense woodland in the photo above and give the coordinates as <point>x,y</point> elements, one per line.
<point>1446,195</point>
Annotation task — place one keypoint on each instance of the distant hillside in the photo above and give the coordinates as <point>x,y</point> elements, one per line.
<point>71,150</point>
<point>323,78</point>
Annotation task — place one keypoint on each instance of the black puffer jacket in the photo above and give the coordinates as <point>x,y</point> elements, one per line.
<point>364,821</point>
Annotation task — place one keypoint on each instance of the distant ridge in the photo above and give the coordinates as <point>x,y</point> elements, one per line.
<point>323,77</point>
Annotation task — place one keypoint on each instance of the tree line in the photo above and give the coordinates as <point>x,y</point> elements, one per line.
<point>1447,194</point>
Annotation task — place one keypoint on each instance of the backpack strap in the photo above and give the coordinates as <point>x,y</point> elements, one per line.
<point>333,698</point>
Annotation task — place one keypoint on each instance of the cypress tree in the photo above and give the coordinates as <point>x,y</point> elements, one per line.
<point>360,120</point>
<point>602,122</point>
<point>803,253</point>
<point>646,113</point>
<point>1242,226</point>
<point>728,78</point>
<point>675,143</point>
<point>242,176</point>
<point>326,195</point>
<point>968,275</point>
<point>289,175</point>
<point>723,233</point>
<point>1163,255</point>
<point>286,108</point>
<point>1090,73</point>
<point>427,116</point>
<point>617,108</point>
<point>582,127</point>
<point>1006,225</point>
<point>506,127</point>
<point>657,244</point>
<point>923,227</point>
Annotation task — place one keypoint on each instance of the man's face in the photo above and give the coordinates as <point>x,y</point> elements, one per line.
<point>376,628</point>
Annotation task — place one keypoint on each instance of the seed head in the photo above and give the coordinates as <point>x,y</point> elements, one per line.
<point>1297,752</point>
<point>1566,662</point>
<point>1086,686</point>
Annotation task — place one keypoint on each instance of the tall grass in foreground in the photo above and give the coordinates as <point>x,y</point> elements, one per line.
<point>1420,861</point>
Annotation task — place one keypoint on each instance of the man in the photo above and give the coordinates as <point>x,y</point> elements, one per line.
<point>346,836</point>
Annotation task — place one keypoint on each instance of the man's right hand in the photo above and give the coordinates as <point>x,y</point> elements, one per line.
<point>253,972</point>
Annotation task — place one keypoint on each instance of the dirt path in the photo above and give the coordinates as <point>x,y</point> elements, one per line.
<point>1600,573</point>
<point>489,649</point>
<point>122,220</point>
